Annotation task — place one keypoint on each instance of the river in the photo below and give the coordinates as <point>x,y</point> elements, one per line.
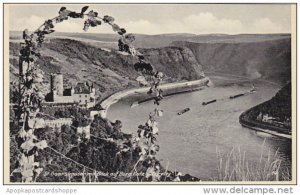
<point>188,142</point>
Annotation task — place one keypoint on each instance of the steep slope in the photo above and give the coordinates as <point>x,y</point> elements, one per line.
<point>175,62</point>
<point>270,59</point>
<point>110,70</point>
<point>274,114</point>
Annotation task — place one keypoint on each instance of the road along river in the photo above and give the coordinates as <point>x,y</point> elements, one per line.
<point>189,142</point>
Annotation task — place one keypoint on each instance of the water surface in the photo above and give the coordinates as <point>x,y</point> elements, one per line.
<point>188,142</point>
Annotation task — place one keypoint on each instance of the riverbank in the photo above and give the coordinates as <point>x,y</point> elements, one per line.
<point>105,104</point>
<point>265,128</point>
<point>272,116</point>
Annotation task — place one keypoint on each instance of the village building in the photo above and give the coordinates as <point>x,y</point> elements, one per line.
<point>274,120</point>
<point>57,123</point>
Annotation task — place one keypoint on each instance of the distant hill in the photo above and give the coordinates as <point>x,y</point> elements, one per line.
<point>109,69</point>
<point>164,40</point>
<point>266,56</point>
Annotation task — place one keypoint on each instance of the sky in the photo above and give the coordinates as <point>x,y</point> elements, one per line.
<point>163,18</point>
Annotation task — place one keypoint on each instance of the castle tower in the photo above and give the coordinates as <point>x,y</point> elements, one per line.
<point>57,83</point>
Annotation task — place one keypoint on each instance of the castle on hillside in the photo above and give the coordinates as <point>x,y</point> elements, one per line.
<point>83,94</point>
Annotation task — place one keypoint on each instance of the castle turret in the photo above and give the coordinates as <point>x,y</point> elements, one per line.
<point>57,84</point>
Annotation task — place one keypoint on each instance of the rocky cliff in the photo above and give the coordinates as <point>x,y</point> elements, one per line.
<point>179,63</point>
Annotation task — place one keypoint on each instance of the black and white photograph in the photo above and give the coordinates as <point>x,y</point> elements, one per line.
<point>149,93</point>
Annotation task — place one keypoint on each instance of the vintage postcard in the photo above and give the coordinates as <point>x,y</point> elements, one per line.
<point>149,94</point>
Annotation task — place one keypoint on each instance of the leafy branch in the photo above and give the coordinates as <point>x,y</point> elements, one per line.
<point>30,87</point>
